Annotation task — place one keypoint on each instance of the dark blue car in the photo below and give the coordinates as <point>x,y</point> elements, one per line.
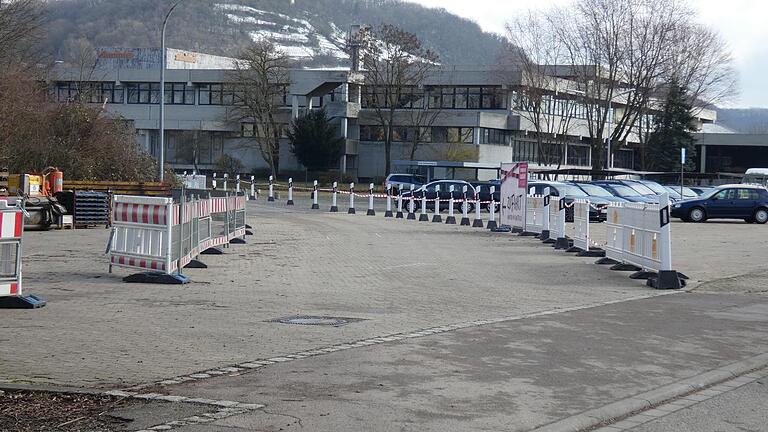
<point>726,202</point>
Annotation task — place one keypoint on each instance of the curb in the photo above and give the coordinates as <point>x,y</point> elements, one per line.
<point>644,401</point>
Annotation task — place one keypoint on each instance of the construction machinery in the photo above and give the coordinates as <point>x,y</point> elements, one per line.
<point>39,189</point>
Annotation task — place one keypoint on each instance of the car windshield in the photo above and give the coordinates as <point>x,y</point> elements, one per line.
<point>687,192</point>
<point>407,179</point>
<point>594,190</point>
<point>659,189</point>
<point>573,190</point>
<point>625,191</point>
<point>643,189</point>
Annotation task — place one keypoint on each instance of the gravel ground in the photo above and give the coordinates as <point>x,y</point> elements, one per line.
<point>24,411</point>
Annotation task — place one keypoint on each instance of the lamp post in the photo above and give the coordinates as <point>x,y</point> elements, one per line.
<point>162,91</point>
<point>608,161</point>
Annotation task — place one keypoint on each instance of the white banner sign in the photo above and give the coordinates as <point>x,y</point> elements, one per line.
<point>514,193</point>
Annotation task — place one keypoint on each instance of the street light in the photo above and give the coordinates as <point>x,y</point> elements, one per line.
<point>162,91</point>
<point>608,161</point>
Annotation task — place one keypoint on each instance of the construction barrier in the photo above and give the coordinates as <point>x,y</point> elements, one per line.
<point>160,237</point>
<point>557,235</point>
<point>11,232</point>
<point>535,214</point>
<point>581,226</point>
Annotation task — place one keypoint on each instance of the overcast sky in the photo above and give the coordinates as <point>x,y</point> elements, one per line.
<point>742,24</point>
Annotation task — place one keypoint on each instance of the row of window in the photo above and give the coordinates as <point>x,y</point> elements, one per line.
<point>578,155</point>
<point>488,98</point>
<point>423,135</point>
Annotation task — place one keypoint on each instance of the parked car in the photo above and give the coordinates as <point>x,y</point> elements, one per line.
<point>623,191</point>
<point>596,191</point>
<point>688,193</point>
<point>570,193</point>
<point>484,190</point>
<point>674,195</point>
<point>441,188</point>
<point>701,190</point>
<point>726,202</point>
<point>404,181</point>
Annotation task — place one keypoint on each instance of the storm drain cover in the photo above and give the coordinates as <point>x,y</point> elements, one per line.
<point>308,320</point>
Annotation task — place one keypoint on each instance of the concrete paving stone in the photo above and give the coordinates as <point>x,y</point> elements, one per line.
<point>709,392</point>
<point>200,376</point>
<point>655,412</point>
<point>169,398</point>
<point>628,423</point>
<point>608,429</point>
<point>696,397</point>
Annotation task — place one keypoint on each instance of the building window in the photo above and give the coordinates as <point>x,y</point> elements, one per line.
<point>524,151</point>
<point>215,94</point>
<point>578,156</point>
<point>143,93</point>
<point>371,133</point>
<point>460,135</point>
<point>179,94</point>
<point>495,136</point>
<point>624,159</point>
<point>91,92</point>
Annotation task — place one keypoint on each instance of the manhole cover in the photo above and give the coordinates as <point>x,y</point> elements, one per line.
<point>307,320</point>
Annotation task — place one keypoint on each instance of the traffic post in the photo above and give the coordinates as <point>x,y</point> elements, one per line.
<point>237,187</point>
<point>226,179</point>
<point>272,191</point>
<point>451,219</point>
<point>423,216</point>
<point>545,234</point>
<point>464,208</point>
<point>290,191</point>
<point>213,182</point>
<point>334,207</point>
<point>253,188</point>
<point>351,199</point>
<point>478,222</point>
<point>436,216</point>
<point>388,213</point>
<point>399,214</point>
<point>315,204</point>
<point>371,212</point>
<point>492,206</point>
<point>411,205</point>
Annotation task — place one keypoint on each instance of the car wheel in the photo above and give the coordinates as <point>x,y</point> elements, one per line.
<point>761,216</point>
<point>749,220</point>
<point>697,215</point>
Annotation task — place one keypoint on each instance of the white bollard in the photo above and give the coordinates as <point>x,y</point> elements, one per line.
<point>451,219</point>
<point>237,188</point>
<point>478,222</point>
<point>423,216</point>
<point>334,207</point>
<point>371,212</point>
<point>412,206</point>
<point>272,190</point>
<point>226,179</point>
<point>544,236</point>
<point>253,187</point>
<point>492,206</point>
<point>213,182</point>
<point>315,204</point>
<point>399,214</point>
<point>465,208</point>
<point>436,216</point>
<point>351,199</point>
<point>667,278</point>
<point>290,191</point>
<point>388,213</point>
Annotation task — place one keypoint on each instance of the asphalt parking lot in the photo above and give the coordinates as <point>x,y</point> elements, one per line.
<point>499,301</point>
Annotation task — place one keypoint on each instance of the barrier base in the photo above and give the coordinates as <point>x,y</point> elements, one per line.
<point>562,243</point>
<point>351,210</point>
<point>411,216</point>
<point>465,222</point>
<point>213,251</point>
<point>196,264</point>
<point>606,261</point>
<point>502,229</point>
<point>492,225</point>
<point>516,230</point>
<point>21,302</point>
<point>290,202</point>
<point>642,274</point>
<point>478,223</point>
<point>157,278</point>
<point>371,212</point>
<point>399,215</point>
<point>271,199</point>
<point>237,241</point>
<point>334,209</point>
<point>592,253</point>
<point>315,206</point>
<point>625,267</point>
<point>528,234</point>
<point>388,214</point>
<point>666,280</point>
<point>423,217</point>
<point>248,226</point>
<point>437,218</point>
<point>450,220</point>
<point>544,236</point>
<point>248,232</point>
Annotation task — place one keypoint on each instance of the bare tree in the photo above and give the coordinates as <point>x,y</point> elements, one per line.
<point>258,84</point>
<point>21,29</point>
<point>420,118</point>
<point>396,65</point>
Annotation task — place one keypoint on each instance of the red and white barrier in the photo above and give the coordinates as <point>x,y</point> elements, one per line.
<point>11,233</point>
<point>581,239</point>
<point>535,215</point>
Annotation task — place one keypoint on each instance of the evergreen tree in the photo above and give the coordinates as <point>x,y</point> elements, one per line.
<point>672,131</point>
<point>314,141</point>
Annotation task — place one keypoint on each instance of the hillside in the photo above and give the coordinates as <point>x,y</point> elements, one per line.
<point>311,31</point>
<point>744,120</point>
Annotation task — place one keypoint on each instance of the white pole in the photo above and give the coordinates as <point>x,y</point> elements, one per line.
<point>400,201</point>
<point>334,207</point>
<point>226,179</point>
<point>665,234</point>
<point>371,212</point>
<point>436,217</point>
<point>315,205</point>
<point>492,206</point>
<point>547,201</point>
<point>253,187</point>
<point>237,187</point>
<point>213,182</point>
<point>389,201</point>
<point>478,223</point>
<point>423,216</point>
<point>465,207</point>
<point>451,220</point>
<point>272,190</point>
<point>351,198</point>
<point>290,191</point>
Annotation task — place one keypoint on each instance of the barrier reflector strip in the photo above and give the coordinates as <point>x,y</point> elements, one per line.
<point>11,289</point>
<point>10,224</point>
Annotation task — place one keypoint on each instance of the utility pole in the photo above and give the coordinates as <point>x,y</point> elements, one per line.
<point>162,92</point>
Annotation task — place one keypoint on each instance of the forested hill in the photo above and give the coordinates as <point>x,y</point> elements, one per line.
<point>309,30</point>
<point>745,120</point>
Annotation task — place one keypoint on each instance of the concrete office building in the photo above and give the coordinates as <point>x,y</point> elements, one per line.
<point>480,113</point>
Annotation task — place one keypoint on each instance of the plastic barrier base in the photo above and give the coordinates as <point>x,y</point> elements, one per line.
<point>334,209</point>
<point>157,278</point>
<point>371,212</point>
<point>213,251</point>
<point>388,214</point>
<point>642,274</point>
<point>544,236</point>
<point>502,229</point>
<point>196,264</point>
<point>423,217</point>
<point>450,220</point>
<point>625,267</point>
<point>492,225</point>
<point>351,210</point>
<point>516,230</point>
<point>478,223</point>
<point>237,241</point>
<point>290,202</point>
<point>606,261</point>
<point>562,243</point>
<point>271,199</point>
<point>465,222</point>
<point>21,302</point>
<point>528,234</point>
<point>315,206</point>
<point>248,227</point>
<point>437,219</point>
<point>592,253</point>
<point>399,215</point>
<point>411,216</point>
<point>666,280</point>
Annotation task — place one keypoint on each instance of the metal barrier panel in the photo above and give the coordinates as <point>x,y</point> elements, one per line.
<point>219,228</point>
<point>182,247</point>
<point>11,230</point>
<point>581,224</point>
<point>141,233</point>
<point>557,218</point>
<point>641,235</point>
<point>614,231</point>
<point>237,216</point>
<point>535,214</point>
<point>204,224</point>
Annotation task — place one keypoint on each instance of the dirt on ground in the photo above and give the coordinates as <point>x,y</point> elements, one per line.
<point>23,411</point>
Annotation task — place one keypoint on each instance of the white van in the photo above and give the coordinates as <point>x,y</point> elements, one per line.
<point>756,176</point>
